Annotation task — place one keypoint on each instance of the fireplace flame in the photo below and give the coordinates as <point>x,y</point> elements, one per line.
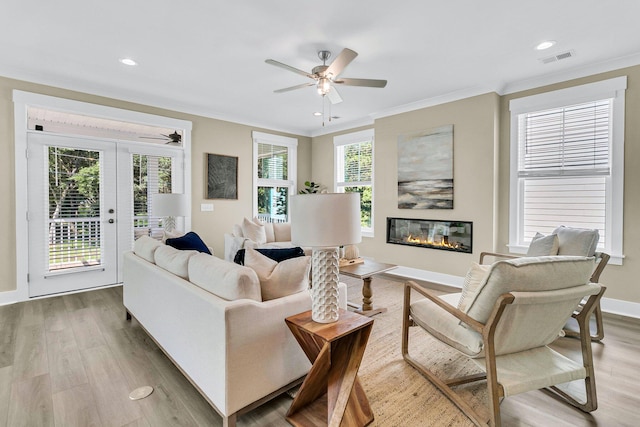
<point>444,243</point>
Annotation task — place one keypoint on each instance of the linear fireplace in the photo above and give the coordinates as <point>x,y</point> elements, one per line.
<point>453,236</point>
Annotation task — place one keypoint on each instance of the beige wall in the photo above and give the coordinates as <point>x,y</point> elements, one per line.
<point>208,136</point>
<point>481,176</point>
<point>475,129</point>
<point>621,281</point>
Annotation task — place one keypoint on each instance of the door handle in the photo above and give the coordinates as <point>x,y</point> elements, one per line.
<point>111,221</point>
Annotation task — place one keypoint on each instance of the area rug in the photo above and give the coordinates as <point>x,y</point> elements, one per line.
<point>397,393</point>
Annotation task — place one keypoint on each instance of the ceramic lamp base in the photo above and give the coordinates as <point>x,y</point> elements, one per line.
<point>324,291</point>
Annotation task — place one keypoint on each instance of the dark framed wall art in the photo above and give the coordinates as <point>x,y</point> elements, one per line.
<point>222,177</point>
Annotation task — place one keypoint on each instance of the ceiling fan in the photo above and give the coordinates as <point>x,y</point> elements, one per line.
<point>172,138</point>
<point>326,76</point>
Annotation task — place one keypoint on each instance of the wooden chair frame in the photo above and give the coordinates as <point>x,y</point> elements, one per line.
<point>494,389</point>
<point>602,259</point>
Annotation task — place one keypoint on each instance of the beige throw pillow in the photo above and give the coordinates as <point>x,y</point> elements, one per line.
<point>278,279</point>
<point>268,229</point>
<point>542,245</point>
<point>473,282</point>
<point>253,231</point>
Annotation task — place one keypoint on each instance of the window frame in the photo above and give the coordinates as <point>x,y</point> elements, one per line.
<point>338,186</point>
<point>292,166</point>
<point>613,89</point>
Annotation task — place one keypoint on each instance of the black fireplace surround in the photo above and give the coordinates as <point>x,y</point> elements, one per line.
<point>455,236</point>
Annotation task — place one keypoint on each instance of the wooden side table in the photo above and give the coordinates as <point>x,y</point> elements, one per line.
<point>331,394</point>
<point>365,272</point>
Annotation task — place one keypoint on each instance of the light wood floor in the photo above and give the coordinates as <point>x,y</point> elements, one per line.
<point>72,361</point>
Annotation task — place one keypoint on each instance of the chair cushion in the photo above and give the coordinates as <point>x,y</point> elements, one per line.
<point>145,247</point>
<point>225,279</point>
<point>475,277</point>
<point>189,242</point>
<point>279,279</point>
<point>445,327</point>
<point>253,231</point>
<point>529,274</point>
<point>173,260</point>
<point>577,241</point>
<point>542,245</point>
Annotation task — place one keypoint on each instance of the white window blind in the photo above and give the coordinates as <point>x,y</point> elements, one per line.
<point>573,140</point>
<point>272,161</point>
<point>355,162</point>
<point>151,175</point>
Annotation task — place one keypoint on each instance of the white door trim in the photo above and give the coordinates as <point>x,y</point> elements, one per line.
<point>22,101</point>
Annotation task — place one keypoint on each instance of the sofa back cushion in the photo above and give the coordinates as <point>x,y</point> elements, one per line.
<point>282,231</point>
<point>223,278</point>
<point>254,232</point>
<point>145,247</point>
<point>279,279</point>
<point>173,260</point>
<point>528,274</point>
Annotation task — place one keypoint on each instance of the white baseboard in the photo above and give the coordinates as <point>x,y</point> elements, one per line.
<point>620,307</point>
<point>9,297</point>
<point>444,281</point>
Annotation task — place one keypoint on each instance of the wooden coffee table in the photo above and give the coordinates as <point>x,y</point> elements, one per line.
<point>365,272</point>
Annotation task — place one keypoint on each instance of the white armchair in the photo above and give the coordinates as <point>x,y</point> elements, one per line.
<point>495,331</point>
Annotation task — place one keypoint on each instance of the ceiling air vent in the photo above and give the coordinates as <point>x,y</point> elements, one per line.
<point>558,57</point>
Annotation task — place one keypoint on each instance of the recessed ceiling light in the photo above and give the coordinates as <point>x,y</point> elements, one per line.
<point>545,45</point>
<point>128,61</point>
<point>317,113</point>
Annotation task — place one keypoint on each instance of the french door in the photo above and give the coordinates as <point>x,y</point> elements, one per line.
<point>88,199</point>
<point>72,213</point>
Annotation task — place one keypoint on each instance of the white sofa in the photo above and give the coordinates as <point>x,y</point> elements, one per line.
<point>256,234</point>
<point>234,348</point>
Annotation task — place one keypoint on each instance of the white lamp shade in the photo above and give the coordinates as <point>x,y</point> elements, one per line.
<point>326,219</point>
<point>169,204</point>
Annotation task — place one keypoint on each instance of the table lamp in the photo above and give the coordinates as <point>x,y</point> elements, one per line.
<point>324,222</point>
<point>169,206</point>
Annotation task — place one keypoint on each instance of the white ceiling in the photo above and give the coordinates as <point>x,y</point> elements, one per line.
<point>207,56</point>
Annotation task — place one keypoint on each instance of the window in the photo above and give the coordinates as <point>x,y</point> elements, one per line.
<point>353,155</point>
<point>567,160</point>
<point>274,175</point>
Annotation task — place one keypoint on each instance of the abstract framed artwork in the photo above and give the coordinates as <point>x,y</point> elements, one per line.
<point>222,177</point>
<point>425,169</point>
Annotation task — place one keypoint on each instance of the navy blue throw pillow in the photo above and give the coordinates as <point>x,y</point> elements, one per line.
<point>278,255</point>
<point>190,241</point>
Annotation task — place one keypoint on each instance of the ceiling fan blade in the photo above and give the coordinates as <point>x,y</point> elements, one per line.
<point>290,68</point>
<point>287,89</point>
<point>361,82</point>
<point>334,96</point>
<point>340,63</point>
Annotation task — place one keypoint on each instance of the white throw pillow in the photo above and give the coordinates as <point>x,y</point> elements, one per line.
<point>542,245</point>
<point>577,241</point>
<point>473,282</point>
<point>253,231</point>
<point>268,229</point>
<point>237,231</point>
<point>278,279</point>
<point>171,235</point>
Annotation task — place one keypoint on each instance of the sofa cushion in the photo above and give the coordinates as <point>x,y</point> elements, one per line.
<point>253,231</point>
<point>475,278</point>
<point>190,241</point>
<point>145,247</point>
<point>577,241</point>
<point>282,231</point>
<point>173,260</point>
<point>279,279</point>
<point>542,245</point>
<point>276,254</point>
<point>225,279</point>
